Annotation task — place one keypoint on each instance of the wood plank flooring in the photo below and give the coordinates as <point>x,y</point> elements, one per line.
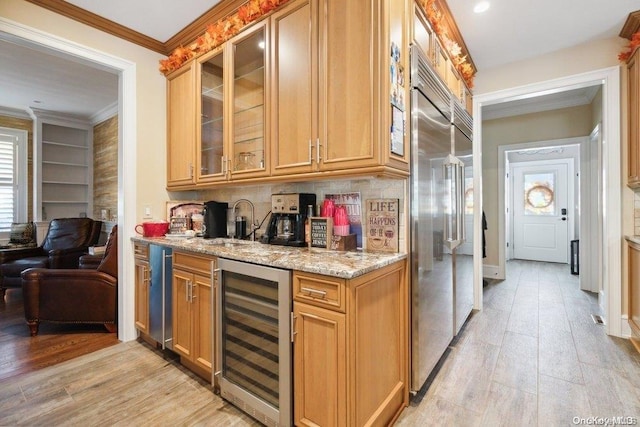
<point>20,353</point>
<point>533,356</point>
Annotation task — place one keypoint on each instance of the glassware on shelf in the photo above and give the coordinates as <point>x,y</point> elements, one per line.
<point>246,161</point>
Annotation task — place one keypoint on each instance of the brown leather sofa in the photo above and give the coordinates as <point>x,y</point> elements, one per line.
<point>74,295</point>
<point>66,240</point>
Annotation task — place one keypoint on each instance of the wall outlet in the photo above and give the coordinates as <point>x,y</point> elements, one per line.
<point>147,211</point>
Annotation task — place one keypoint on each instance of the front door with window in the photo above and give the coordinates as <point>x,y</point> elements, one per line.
<point>541,210</point>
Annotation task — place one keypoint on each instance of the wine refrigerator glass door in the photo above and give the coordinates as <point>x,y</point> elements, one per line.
<point>254,339</point>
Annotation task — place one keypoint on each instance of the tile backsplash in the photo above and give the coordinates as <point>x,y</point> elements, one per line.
<point>260,196</point>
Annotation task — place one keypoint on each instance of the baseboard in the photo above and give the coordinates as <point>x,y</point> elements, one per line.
<point>491,272</point>
<point>625,329</point>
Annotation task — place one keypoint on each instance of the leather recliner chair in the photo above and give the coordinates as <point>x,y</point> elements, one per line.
<point>67,239</point>
<point>74,295</point>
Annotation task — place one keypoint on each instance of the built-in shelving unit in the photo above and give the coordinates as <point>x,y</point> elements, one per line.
<point>63,166</point>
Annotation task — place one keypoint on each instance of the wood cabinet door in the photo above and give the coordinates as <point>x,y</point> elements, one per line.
<point>294,88</point>
<point>182,312</point>
<point>181,126</point>
<point>142,275</point>
<point>319,370</point>
<point>348,84</point>
<point>633,143</point>
<point>203,322</point>
<point>248,102</point>
<point>211,127</point>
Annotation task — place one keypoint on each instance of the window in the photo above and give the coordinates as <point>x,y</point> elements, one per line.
<point>13,178</point>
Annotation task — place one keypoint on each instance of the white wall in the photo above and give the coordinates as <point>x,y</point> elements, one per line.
<point>566,62</point>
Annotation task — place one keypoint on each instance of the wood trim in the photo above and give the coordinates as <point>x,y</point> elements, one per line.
<point>91,19</point>
<point>631,25</point>
<point>184,37</point>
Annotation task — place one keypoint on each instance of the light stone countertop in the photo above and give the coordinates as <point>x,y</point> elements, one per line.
<point>346,265</point>
<point>633,239</point>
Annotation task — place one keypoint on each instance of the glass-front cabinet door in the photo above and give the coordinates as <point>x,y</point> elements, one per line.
<point>248,156</point>
<point>211,152</point>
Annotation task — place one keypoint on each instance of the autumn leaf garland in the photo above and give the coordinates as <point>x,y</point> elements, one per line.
<point>219,32</point>
<point>633,44</point>
<point>437,21</point>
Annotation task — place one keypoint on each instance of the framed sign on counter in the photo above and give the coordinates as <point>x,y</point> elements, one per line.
<point>321,232</point>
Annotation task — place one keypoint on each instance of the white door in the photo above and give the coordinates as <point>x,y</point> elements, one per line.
<point>541,211</point>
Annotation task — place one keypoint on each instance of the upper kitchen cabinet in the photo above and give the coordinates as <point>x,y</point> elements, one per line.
<point>425,37</point>
<point>248,117</point>
<point>331,90</point>
<point>633,100</point>
<point>181,130</point>
<point>232,111</point>
<point>294,88</point>
<point>211,132</point>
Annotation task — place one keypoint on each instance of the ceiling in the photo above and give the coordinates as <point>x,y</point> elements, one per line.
<point>511,30</point>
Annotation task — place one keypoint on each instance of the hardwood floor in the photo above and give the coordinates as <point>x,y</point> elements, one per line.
<point>20,353</point>
<point>533,356</point>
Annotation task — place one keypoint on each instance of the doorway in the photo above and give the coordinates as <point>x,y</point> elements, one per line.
<point>609,197</point>
<point>126,145</point>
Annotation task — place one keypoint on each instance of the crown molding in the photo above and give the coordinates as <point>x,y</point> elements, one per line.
<point>14,112</point>
<point>76,13</point>
<point>631,26</point>
<point>538,105</point>
<point>104,114</point>
<point>185,36</point>
<point>59,118</point>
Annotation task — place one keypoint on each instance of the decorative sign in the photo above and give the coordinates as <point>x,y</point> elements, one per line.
<point>321,232</point>
<point>382,224</point>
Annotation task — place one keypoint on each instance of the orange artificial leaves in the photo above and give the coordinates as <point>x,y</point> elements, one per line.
<point>219,32</point>
<point>633,44</point>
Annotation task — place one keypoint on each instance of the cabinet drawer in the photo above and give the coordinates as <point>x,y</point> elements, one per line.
<point>141,250</point>
<point>322,291</point>
<point>192,262</point>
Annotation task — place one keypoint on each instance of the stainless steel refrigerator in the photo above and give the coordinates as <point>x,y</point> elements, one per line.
<point>440,200</point>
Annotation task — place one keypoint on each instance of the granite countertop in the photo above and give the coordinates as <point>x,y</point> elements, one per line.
<point>346,265</point>
<point>633,239</point>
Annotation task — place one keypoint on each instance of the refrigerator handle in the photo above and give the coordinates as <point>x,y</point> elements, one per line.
<point>454,227</point>
<point>462,236</point>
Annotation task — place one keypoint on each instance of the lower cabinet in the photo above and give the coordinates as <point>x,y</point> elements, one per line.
<point>193,310</point>
<point>142,276</point>
<point>634,293</point>
<point>350,348</point>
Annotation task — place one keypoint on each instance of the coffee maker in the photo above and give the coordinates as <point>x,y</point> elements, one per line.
<point>288,215</point>
<point>215,219</point>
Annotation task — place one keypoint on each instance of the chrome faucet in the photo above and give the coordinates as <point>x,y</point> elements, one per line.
<point>252,224</point>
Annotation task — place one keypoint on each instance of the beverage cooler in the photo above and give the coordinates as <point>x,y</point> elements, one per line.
<point>254,340</point>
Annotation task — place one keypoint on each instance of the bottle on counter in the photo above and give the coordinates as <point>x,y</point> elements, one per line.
<point>307,225</point>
